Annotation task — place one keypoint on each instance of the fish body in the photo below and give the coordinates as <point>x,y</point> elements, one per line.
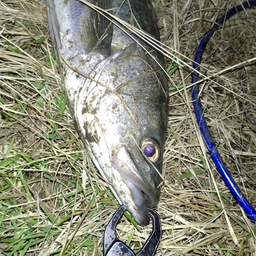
<point>117,94</point>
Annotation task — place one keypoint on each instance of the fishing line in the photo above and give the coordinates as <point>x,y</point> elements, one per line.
<point>222,169</point>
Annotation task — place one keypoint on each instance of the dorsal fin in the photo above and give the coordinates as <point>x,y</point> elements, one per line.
<point>104,29</point>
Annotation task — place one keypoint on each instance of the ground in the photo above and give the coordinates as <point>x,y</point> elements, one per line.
<point>53,201</point>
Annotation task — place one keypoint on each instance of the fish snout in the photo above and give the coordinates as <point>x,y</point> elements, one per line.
<point>139,195</point>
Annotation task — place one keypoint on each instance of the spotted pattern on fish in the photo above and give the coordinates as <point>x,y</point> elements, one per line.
<point>117,94</point>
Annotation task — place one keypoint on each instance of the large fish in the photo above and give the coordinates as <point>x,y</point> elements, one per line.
<point>117,94</point>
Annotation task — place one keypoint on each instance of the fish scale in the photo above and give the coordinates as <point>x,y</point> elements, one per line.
<point>117,94</point>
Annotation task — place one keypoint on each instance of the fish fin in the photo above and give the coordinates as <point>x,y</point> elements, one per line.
<point>144,17</point>
<point>104,29</point>
<point>53,24</point>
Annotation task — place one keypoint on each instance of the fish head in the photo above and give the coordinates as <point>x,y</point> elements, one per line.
<point>124,121</point>
<point>140,177</point>
<point>130,160</point>
<point>142,124</point>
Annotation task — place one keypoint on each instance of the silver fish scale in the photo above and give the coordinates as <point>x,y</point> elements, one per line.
<point>117,94</point>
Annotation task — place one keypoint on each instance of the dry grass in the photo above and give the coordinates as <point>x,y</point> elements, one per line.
<point>50,206</point>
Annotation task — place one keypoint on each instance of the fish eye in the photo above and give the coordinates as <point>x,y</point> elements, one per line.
<point>151,149</point>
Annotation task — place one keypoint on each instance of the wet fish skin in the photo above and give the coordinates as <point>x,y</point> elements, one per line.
<point>117,95</point>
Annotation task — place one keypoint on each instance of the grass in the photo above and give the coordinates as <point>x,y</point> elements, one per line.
<point>53,201</point>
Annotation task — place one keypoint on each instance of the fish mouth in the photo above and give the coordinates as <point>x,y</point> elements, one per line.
<point>142,195</point>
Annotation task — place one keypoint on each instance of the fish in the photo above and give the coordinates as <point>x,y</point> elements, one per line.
<point>117,93</point>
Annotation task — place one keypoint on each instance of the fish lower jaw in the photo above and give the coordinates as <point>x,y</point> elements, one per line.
<point>139,208</point>
<point>127,192</point>
<point>134,202</point>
